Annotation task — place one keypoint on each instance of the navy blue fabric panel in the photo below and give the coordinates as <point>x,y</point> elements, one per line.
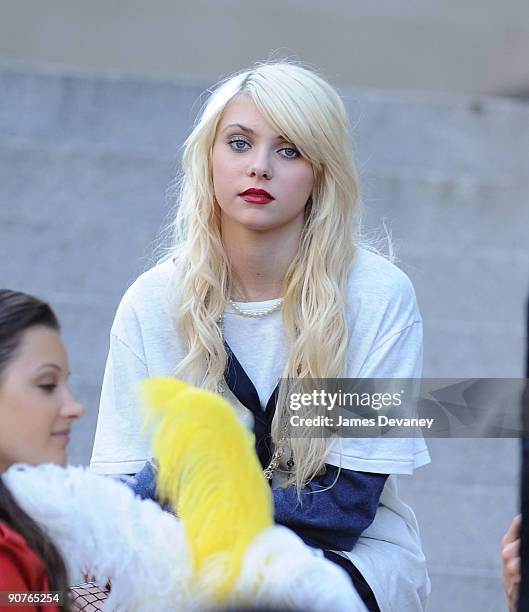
<point>332,519</point>
<point>244,390</point>
<point>144,482</point>
<point>359,582</point>
<point>335,518</point>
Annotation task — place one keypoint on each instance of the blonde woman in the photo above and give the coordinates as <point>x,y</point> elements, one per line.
<point>267,279</point>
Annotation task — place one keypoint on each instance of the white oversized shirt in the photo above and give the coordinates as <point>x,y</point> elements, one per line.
<point>385,341</point>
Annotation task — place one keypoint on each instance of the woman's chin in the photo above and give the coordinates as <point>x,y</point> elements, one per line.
<point>56,458</point>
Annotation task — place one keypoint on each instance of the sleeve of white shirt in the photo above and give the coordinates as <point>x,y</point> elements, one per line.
<point>398,354</point>
<point>120,446</point>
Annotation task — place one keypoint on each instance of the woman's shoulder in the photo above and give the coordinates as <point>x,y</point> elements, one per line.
<point>380,295</point>
<point>373,273</point>
<point>18,562</point>
<point>148,296</point>
<point>152,282</point>
<point>9,538</point>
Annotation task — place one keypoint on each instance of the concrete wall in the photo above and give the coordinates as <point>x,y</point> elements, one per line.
<point>84,164</point>
<point>475,46</point>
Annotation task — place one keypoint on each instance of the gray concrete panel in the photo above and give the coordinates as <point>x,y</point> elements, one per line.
<point>394,44</point>
<point>465,592</point>
<point>461,525</point>
<point>472,463</point>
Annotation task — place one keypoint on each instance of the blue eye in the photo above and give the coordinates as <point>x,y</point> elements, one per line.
<point>290,153</point>
<point>239,144</point>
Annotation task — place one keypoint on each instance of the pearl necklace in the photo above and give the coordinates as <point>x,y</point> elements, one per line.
<point>256,314</point>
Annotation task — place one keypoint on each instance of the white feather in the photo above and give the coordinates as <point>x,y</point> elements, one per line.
<point>103,529</point>
<point>280,570</point>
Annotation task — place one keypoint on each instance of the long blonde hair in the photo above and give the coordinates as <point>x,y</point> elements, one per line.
<point>309,113</point>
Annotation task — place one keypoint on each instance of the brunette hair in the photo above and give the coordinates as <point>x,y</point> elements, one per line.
<point>18,313</point>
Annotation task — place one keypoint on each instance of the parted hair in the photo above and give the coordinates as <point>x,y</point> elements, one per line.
<point>308,112</point>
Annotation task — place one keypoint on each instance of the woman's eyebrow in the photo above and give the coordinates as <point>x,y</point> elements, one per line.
<point>241,127</point>
<point>55,366</point>
<point>50,365</point>
<point>247,130</point>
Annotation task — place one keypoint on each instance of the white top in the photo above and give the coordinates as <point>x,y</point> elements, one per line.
<point>385,341</point>
<point>265,365</point>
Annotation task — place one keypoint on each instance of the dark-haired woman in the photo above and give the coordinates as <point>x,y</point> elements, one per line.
<point>37,410</point>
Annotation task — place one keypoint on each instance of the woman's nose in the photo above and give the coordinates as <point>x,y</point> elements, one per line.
<point>72,408</point>
<point>260,166</point>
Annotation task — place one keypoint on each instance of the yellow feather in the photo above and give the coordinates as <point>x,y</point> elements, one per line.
<point>209,472</point>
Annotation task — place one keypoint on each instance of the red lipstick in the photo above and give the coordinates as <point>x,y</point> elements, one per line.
<point>256,196</point>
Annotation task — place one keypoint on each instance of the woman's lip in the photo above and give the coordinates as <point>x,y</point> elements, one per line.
<point>253,198</point>
<point>62,434</point>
